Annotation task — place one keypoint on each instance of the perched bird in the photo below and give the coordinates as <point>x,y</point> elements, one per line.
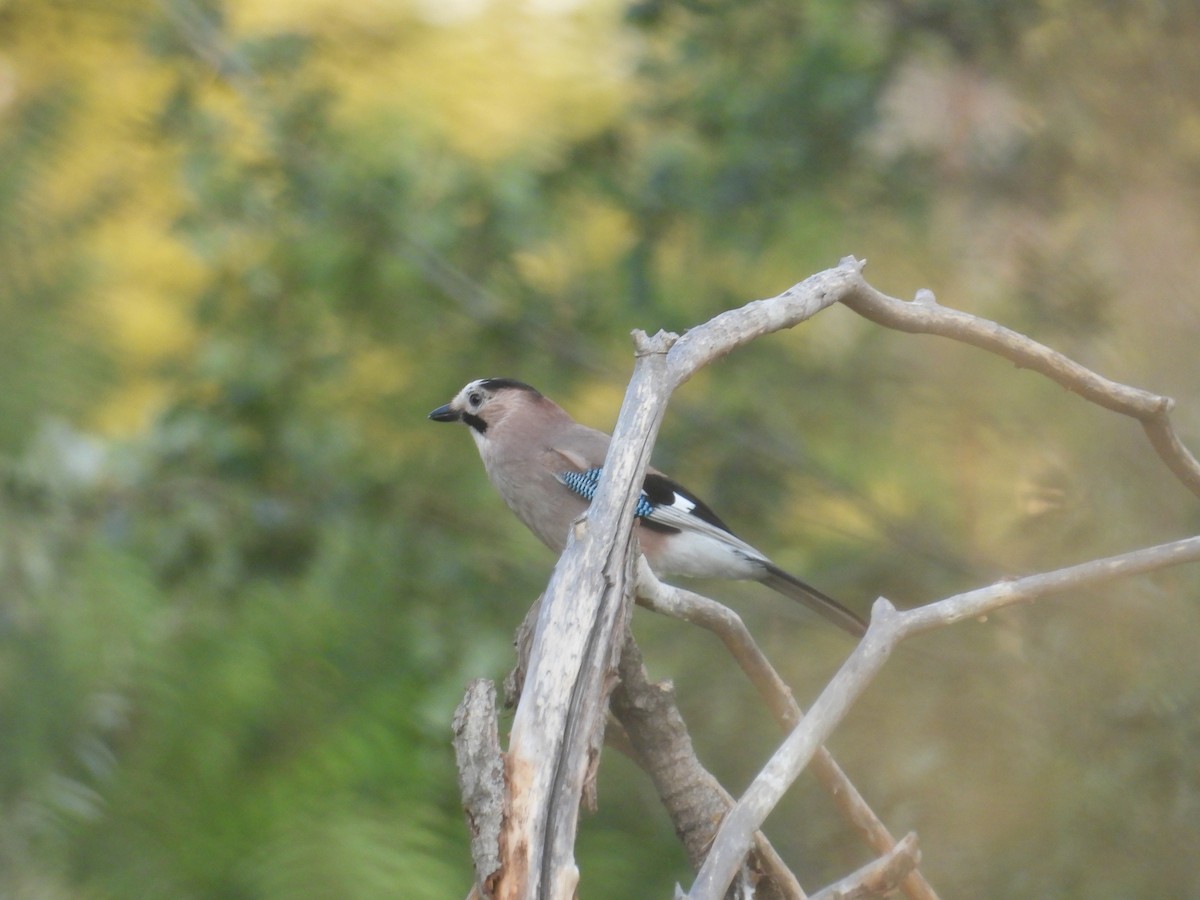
<point>546,465</point>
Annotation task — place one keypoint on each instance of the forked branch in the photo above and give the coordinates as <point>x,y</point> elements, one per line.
<point>727,625</point>
<point>575,647</point>
<point>925,316</point>
<point>887,629</point>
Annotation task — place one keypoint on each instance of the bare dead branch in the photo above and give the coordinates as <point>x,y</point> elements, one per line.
<point>729,330</point>
<point>889,627</point>
<point>879,877</point>
<point>926,316</point>
<point>559,721</point>
<point>649,729</point>
<point>728,626</point>
<point>480,777</point>
<point>522,644</point>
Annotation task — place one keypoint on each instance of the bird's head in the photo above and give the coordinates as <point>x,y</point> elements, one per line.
<point>486,403</point>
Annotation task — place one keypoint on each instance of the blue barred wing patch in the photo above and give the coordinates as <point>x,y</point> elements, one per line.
<point>584,484</point>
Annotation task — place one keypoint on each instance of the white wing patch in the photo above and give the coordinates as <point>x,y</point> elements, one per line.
<point>679,515</point>
<point>683,504</point>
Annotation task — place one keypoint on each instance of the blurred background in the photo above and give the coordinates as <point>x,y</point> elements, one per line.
<point>246,246</point>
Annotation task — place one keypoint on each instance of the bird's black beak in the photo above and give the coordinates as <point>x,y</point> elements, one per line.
<point>445,414</point>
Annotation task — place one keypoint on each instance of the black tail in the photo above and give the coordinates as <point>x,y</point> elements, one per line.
<point>791,586</point>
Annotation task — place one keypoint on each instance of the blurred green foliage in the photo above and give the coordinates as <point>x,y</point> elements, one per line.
<point>244,580</point>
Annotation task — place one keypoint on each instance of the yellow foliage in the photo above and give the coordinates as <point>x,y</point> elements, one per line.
<point>379,370</point>
<point>492,80</point>
<point>599,236</point>
<point>596,405</point>
<point>130,408</point>
<point>508,80</point>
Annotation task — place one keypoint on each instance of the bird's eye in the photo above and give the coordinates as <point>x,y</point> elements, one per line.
<point>474,398</point>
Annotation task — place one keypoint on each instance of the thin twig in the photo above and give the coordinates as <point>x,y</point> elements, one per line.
<point>480,777</point>
<point>926,316</point>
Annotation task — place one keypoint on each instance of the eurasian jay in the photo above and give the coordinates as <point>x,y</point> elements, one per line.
<point>546,465</point>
